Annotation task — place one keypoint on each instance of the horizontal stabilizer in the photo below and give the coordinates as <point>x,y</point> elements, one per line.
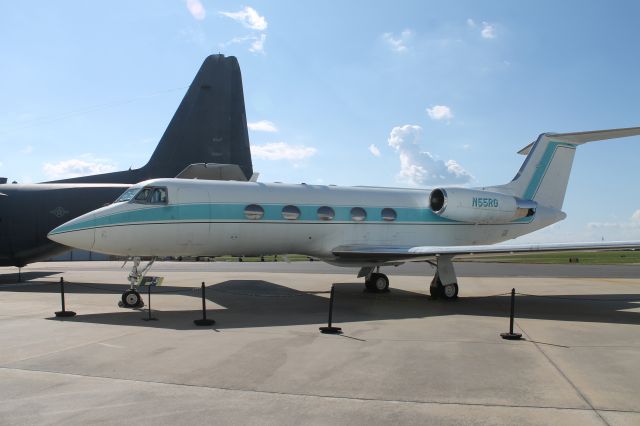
<point>212,171</point>
<point>578,138</point>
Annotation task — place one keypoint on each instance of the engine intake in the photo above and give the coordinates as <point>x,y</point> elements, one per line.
<point>478,206</point>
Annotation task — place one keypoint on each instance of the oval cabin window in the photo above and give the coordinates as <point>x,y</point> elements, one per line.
<point>389,214</point>
<point>358,214</point>
<point>290,212</point>
<point>326,213</point>
<point>253,212</point>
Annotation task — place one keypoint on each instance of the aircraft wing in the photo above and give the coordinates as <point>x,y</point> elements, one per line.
<point>379,254</point>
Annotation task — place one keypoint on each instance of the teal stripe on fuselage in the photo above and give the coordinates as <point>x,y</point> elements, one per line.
<point>235,212</point>
<point>542,167</point>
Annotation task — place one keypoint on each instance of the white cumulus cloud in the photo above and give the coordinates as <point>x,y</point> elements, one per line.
<point>83,166</point>
<point>488,30</point>
<point>257,45</point>
<point>419,168</point>
<point>440,112</point>
<point>282,151</point>
<point>248,17</point>
<point>374,150</point>
<point>196,9</point>
<point>262,126</point>
<point>632,223</point>
<point>399,43</point>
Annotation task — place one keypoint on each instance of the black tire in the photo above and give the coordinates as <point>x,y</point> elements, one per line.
<point>131,299</point>
<point>450,292</point>
<point>378,283</point>
<point>435,289</point>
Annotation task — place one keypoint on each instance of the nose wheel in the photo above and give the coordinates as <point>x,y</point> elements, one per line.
<point>132,299</point>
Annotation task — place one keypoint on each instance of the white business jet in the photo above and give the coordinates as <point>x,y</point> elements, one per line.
<point>366,227</point>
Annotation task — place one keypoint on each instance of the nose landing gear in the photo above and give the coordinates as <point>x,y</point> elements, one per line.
<point>131,298</point>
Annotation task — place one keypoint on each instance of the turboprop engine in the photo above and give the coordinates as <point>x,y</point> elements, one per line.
<point>477,206</point>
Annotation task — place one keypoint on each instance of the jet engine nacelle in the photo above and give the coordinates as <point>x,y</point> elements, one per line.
<point>477,206</point>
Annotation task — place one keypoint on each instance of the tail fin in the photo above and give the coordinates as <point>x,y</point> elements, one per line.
<point>209,126</point>
<point>544,175</point>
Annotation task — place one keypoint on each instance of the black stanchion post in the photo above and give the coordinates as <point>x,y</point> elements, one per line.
<point>511,335</point>
<point>149,307</point>
<point>203,320</point>
<point>63,312</point>
<point>330,329</point>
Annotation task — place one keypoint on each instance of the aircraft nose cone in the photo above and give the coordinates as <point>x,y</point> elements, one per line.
<point>77,233</point>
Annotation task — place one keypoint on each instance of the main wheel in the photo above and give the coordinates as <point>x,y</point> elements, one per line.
<point>377,282</point>
<point>131,299</point>
<point>450,291</point>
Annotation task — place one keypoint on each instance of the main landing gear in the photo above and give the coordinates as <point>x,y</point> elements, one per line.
<point>374,281</point>
<point>377,283</point>
<point>439,291</point>
<point>444,284</point>
<point>131,298</point>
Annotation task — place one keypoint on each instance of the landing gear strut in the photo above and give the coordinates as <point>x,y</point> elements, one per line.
<point>444,284</point>
<point>131,298</point>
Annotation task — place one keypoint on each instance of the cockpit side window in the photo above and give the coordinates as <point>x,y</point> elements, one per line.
<point>143,195</point>
<point>158,196</point>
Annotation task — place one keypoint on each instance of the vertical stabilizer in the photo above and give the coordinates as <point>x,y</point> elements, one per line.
<point>544,175</point>
<point>209,126</point>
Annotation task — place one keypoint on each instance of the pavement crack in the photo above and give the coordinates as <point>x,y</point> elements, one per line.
<point>320,396</point>
<point>564,376</point>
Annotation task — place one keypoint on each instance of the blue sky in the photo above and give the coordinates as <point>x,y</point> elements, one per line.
<point>413,93</point>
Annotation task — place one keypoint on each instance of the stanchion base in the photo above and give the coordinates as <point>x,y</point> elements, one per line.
<point>65,314</point>
<point>203,321</point>
<point>511,336</point>
<point>149,319</point>
<point>330,330</point>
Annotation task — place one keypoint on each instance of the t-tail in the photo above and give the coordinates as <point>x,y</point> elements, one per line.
<point>544,175</point>
<point>209,126</point>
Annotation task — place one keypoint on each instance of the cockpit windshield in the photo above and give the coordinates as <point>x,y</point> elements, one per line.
<point>128,195</point>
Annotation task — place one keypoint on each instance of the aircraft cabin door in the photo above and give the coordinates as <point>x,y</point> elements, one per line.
<point>193,228</point>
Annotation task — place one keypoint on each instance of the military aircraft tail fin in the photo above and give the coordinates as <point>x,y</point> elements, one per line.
<point>209,126</point>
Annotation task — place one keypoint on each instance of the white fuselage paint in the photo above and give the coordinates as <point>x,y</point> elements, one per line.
<point>205,218</point>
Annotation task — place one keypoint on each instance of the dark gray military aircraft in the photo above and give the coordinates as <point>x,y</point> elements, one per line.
<point>210,126</point>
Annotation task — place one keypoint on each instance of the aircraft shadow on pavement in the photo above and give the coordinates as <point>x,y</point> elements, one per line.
<point>250,303</point>
<point>25,277</point>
